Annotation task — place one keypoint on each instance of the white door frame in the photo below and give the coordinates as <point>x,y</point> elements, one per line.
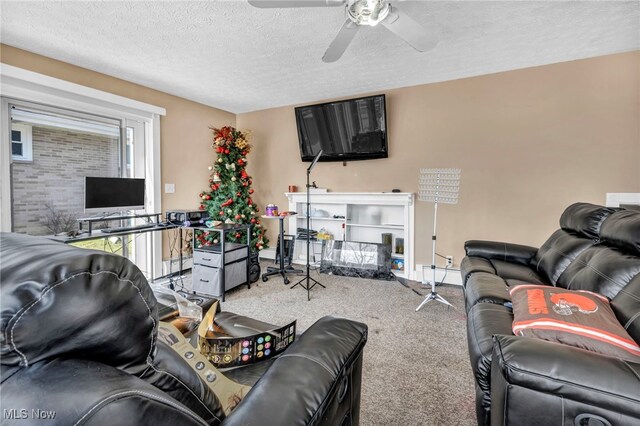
<point>23,85</point>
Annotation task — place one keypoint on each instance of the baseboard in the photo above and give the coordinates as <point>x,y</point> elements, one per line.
<point>423,274</point>
<point>268,253</point>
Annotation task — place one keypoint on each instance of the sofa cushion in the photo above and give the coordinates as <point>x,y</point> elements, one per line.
<point>602,270</point>
<point>583,319</point>
<point>626,306</point>
<point>483,287</point>
<point>585,219</point>
<point>485,320</point>
<point>622,230</point>
<point>88,393</point>
<point>471,264</point>
<point>516,271</point>
<point>555,255</point>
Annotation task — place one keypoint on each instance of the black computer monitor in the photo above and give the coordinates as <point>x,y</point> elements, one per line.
<point>112,194</point>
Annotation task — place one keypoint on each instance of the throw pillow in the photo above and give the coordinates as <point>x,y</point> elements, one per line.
<point>577,318</point>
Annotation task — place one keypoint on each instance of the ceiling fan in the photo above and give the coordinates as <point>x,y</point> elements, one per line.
<point>363,13</point>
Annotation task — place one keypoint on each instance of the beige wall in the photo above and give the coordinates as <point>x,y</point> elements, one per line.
<point>185,136</point>
<point>529,142</point>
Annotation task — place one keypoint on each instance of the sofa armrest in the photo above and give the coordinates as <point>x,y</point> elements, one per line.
<point>508,252</point>
<point>315,381</point>
<point>528,374</point>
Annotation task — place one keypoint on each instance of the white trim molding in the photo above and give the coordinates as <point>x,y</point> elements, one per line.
<point>27,85</point>
<point>615,199</point>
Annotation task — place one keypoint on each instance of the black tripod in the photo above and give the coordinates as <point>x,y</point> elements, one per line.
<point>305,283</point>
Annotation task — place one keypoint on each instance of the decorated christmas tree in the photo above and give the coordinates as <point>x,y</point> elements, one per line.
<point>228,198</point>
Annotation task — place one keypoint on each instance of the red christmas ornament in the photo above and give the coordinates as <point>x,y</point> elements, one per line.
<point>240,162</point>
<point>251,191</point>
<point>226,151</point>
<point>201,206</point>
<point>253,220</point>
<point>221,213</point>
<point>208,197</point>
<point>238,235</point>
<point>244,152</point>
<point>237,217</point>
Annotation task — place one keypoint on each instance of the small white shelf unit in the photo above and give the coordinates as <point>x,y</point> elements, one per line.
<point>364,217</point>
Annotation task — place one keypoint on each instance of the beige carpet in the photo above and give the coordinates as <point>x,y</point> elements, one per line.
<point>416,366</point>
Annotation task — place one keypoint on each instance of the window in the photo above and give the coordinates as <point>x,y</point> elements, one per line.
<point>33,91</point>
<point>21,149</point>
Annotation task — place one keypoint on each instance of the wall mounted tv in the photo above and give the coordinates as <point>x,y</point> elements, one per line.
<point>354,129</point>
<point>112,194</point>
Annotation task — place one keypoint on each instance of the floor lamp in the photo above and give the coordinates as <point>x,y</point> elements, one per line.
<point>437,186</point>
<point>307,279</point>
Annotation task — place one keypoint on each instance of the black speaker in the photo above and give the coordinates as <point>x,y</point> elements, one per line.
<point>254,267</point>
<point>289,241</point>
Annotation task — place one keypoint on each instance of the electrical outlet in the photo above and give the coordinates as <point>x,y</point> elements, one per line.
<point>449,261</point>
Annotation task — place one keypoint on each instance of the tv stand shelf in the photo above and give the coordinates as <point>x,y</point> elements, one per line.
<point>365,217</point>
<point>91,220</point>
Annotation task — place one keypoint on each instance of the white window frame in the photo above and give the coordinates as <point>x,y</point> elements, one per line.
<point>25,139</point>
<point>24,85</point>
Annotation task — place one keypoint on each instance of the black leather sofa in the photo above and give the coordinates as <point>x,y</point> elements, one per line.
<point>526,381</point>
<point>79,339</point>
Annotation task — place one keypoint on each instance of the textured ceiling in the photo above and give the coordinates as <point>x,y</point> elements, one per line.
<point>232,56</point>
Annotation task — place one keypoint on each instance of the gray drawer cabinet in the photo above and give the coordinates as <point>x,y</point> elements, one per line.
<point>212,256</point>
<point>210,277</point>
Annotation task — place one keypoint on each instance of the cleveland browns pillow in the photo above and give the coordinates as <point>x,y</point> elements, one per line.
<point>577,318</point>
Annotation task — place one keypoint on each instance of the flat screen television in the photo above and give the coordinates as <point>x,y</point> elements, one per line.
<point>354,129</point>
<point>109,194</point>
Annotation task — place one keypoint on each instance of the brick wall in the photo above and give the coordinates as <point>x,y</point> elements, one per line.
<point>61,160</point>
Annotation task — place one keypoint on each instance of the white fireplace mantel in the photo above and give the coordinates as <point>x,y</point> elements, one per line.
<point>362,216</point>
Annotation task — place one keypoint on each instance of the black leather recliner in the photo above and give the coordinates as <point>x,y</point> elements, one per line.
<point>79,342</point>
<point>526,381</point>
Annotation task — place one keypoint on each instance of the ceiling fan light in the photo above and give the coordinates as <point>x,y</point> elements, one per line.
<point>368,12</point>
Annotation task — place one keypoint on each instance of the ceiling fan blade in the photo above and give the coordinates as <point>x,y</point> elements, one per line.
<point>341,42</point>
<point>268,4</point>
<point>410,31</point>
